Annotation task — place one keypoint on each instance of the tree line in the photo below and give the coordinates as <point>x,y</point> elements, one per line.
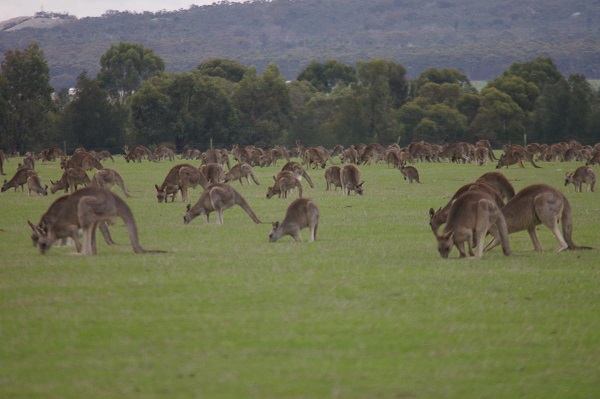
<point>133,100</point>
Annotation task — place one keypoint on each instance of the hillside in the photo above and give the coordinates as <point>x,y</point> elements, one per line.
<point>480,38</point>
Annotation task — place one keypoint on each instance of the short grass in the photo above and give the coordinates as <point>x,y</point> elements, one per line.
<point>369,310</point>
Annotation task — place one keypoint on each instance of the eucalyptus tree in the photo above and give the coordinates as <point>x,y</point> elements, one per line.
<point>26,98</point>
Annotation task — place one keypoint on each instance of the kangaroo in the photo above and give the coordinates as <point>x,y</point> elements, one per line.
<point>315,156</point>
<point>299,171</point>
<point>19,179</point>
<point>470,218</point>
<point>137,153</point>
<point>595,160</point>
<point>85,209</point>
<point>82,159</point>
<point>482,155</point>
<point>350,179</point>
<point>190,177</point>
<point>51,215</point>
<point>104,155</point>
<point>540,204</point>
<point>439,217</point>
<point>583,174</point>
<point>218,197</point>
<point>285,181</point>
<point>301,213</point>
<point>107,178</point>
<point>515,157</point>
<point>498,182</point>
<point>237,172</point>
<point>410,172</point>
<point>34,183</point>
<point>213,172</point>
<point>163,152</point>
<point>332,177</point>
<point>170,185</point>
<point>70,179</point>
<point>486,144</point>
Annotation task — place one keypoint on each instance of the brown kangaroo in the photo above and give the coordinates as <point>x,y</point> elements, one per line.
<point>583,174</point>
<point>285,181</point>
<point>301,213</point>
<point>332,177</point>
<point>34,183</point>
<point>217,198</point>
<point>409,172</point>
<point>540,204</point>
<point>19,179</point>
<point>350,179</point>
<point>470,218</point>
<point>82,159</point>
<point>85,209</point>
<point>439,217</point>
<point>170,185</point>
<point>107,178</point>
<point>137,153</point>
<point>70,179</point>
<point>515,157</point>
<point>213,172</point>
<point>51,215</point>
<point>299,171</point>
<point>190,177</point>
<point>239,171</point>
<point>498,182</point>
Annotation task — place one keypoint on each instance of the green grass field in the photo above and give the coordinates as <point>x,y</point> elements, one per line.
<point>370,310</point>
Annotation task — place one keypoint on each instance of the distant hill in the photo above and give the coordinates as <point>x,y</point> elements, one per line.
<point>481,38</point>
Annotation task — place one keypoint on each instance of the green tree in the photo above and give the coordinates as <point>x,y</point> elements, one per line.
<point>325,76</point>
<point>264,107</point>
<point>540,71</point>
<point>551,113</point>
<point>522,92</point>
<point>581,101</point>
<point>124,66</point>
<point>499,118</point>
<point>229,70</point>
<point>440,76</point>
<point>27,98</point>
<point>95,122</point>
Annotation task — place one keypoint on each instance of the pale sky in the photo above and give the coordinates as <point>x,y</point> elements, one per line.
<point>92,8</point>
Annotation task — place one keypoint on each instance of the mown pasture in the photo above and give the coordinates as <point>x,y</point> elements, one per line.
<point>369,310</point>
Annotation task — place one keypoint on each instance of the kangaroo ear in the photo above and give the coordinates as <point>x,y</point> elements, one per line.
<point>275,224</point>
<point>274,178</point>
<point>188,207</point>
<point>361,183</point>
<point>46,187</point>
<point>431,212</point>
<point>156,187</point>
<point>32,226</point>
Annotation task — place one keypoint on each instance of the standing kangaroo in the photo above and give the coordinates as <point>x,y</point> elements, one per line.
<point>217,198</point>
<point>85,209</point>
<point>107,178</point>
<point>410,172</point>
<point>583,174</point>
<point>19,179</point>
<point>301,213</point>
<point>70,179</point>
<point>540,204</point>
<point>470,218</point>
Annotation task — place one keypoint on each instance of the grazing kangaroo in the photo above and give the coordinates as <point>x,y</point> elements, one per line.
<point>51,215</point>
<point>498,182</point>
<point>299,171</point>
<point>540,204</point>
<point>439,217</point>
<point>19,179</point>
<point>470,218</point>
<point>170,185</point>
<point>70,179</point>
<point>332,177</point>
<point>350,179</point>
<point>85,209</point>
<point>217,198</point>
<point>82,159</point>
<point>583,174</point>
<point>137,153</point>
<point>515,157</point>
<point>190,177</point>
<point>301,213</point>
<point>213,172</point>
<point>239,171</point>
<point>34,183</point>
<point>409,172</point>
<point>107,178</point>
<point>285,181</point>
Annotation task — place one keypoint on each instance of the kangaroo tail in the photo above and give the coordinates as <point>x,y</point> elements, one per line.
<point>121,184</point>
<point>307,177</point>
<point>567,226</point>
<point>244,205</point>
<point>125,213</point>
<point>254,178</point>
<point>530,159</point>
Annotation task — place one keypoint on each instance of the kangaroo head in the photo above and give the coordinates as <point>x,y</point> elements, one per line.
<point>161,195</point>
<point>445,243</point>
<point>274,235</point>
<point>359,188</point>
<point>35,233</point>
<point>568,178</point>
<point>271,192</point>
<point>44,241</point>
